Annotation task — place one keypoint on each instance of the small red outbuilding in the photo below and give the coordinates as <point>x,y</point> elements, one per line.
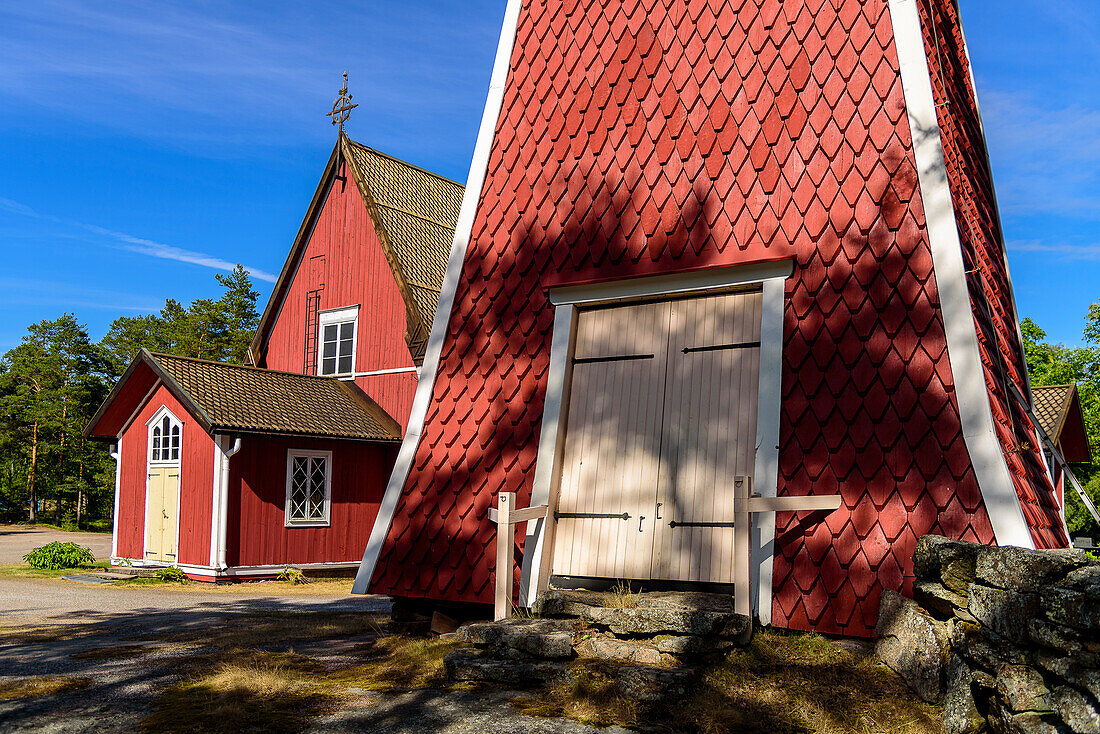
<point>227,470</point>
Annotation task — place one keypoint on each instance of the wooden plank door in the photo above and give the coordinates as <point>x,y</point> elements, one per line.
<point>709,433</point>
<point>161,508</point>
<point>612,443</point>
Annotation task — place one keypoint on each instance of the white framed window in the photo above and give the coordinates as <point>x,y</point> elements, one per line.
<point>338,332</point>
<point>308,487</point>
<point>165,438</point>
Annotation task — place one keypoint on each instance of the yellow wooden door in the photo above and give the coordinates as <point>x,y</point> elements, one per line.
<point>605,515</point>
<point>161,509</point>
<point>709,433</point>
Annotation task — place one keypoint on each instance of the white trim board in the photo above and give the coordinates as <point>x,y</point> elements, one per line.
<point>979,432</point>
<point>470,199</point>
<point>233,571</point>
<point>771,277</point>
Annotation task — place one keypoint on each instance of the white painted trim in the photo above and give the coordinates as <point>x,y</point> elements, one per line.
<point>534,576</point>
<point>766,468</point>
<point>291,455</point>
<point>200,570</point>
<point>372,373</point>
<point>215,500</point>
<point>178,466</point>
<point>223,515</point>
<point>117,456</point>
<point>695,282</point>
<point>336,317</point>
<point>979,433</point>
<point>478,169</point>
<point>140,406</point>
<point>771,276</point>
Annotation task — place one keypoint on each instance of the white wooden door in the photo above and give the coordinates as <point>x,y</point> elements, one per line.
<point>709,433</point>
<point>605,515</point>
<point>662,416</point>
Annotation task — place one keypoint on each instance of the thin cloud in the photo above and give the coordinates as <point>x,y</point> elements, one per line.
<point>140,245</point>
<point>1067,251</point>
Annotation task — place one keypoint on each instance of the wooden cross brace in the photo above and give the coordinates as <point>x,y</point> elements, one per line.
<point>745,504</point>
<point>505,515</point>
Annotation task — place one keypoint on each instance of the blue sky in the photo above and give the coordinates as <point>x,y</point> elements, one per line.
<point>145,145</point>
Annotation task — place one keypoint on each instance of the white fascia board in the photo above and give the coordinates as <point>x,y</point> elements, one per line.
<point>118,492</point>
<point>463,229</point>
<point>964,356</point>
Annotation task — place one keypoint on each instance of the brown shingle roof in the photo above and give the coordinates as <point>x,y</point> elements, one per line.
<point>229,398</point>
<point>414,212</point>
<point>1051,408</point>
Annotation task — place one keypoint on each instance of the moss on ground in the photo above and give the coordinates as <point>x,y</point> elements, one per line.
<point>783,683</point>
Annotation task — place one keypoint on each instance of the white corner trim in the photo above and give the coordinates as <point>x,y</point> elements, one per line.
<point>478,169</point>
<point>768,410</point>
<point>979,432</point>
<point>544,490</point>
<point>216,501</point>
<point>117,456</point>
<point>771,276</point>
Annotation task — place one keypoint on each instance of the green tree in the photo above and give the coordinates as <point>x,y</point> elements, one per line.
<point>1059,364</point>
<point>50,384</point>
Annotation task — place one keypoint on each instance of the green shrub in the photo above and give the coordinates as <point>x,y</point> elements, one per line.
<point>56,555</point>
<point>173,574</point>
<point>292,575</point>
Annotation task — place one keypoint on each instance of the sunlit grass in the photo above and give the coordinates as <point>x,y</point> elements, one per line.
<point>42,686</point>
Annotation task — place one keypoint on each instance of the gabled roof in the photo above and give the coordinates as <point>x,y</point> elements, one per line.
<point>414,213</point>
<point>228,398</point>
<point>1058,409</point>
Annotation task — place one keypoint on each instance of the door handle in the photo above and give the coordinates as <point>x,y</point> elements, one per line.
<point>658,510</point>
<point>640,519</point>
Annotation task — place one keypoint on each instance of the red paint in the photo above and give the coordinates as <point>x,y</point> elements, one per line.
<point>701,144</point>
<point>257,494</point>
<point>196,483</point>
<point>344,256</point>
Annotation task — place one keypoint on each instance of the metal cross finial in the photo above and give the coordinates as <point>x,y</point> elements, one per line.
<point>342,107</point>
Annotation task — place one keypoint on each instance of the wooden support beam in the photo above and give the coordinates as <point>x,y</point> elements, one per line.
<point>506,516</point>
<point>794,504</point>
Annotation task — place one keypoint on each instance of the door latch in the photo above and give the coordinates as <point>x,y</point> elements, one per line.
<point>640,519</point>
<point>658,510</point>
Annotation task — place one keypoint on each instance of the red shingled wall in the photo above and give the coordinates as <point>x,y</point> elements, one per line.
<point>635,140</point>
<point>984,255</point>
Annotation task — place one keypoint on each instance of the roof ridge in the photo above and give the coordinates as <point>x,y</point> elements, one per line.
<point>265,370</point>
<point>395,159</point>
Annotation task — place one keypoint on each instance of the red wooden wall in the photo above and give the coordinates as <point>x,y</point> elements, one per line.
<point>343,253</point>
<point>257,497</point>
<point>196,484</point>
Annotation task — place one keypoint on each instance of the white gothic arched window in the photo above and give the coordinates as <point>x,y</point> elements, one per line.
<point>164,439</point>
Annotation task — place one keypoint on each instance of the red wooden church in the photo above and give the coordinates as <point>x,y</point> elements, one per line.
<point>227,470</point>
<point>702,240</point>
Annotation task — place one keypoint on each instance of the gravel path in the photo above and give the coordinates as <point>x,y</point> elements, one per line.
<point>16,541</point>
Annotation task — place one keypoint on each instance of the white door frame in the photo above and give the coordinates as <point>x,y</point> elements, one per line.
<point>178,464</point>
<point>771,276</point>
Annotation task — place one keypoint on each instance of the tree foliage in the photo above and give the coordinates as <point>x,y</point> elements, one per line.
<point>57,377</point>
<point>1059,364</point>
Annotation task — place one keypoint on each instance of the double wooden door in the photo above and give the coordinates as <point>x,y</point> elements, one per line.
<point>161,511</point>
<point>662,418</point>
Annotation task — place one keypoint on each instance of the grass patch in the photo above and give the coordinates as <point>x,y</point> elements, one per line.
<point>399,663</point>
<point>114,652</point>
<point>622,597</point>
<point>25,571</point>
<point>783,683</point>
<point>279,628</point>
<point>48,685</point>
<point>49,633</point>
<point>257,691</point>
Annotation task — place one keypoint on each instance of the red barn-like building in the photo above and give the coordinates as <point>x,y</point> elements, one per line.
<point>227,470</point>
<point>702,240</point>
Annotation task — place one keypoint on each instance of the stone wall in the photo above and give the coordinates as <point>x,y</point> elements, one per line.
<point>1007,639</point>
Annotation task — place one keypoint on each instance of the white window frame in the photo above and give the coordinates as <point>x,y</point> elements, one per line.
<point>336,317</point>
<point>292,454</point>
<point>154,423</point>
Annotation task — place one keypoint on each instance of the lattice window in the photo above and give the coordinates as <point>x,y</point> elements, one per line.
<point>164,440</point>
<point>309,487</point>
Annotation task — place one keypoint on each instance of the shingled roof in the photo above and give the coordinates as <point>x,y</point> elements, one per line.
<point>228,398</point>
<point>414,213</point>
<point>1051,407</point>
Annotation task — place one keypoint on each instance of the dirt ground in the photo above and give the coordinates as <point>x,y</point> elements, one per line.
<point>111,659</point>
<point>18,540</point>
